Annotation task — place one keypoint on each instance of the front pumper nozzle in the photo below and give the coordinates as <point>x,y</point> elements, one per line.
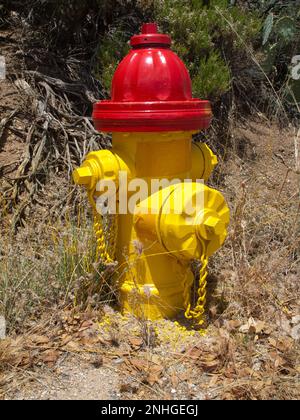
<point>83,176</point>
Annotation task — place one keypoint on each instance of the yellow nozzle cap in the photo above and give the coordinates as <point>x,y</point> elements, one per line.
<point>214,225</point>
<point>82,176</point>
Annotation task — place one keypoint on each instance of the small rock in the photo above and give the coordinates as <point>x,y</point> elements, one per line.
<point>118,361</point>
<point>296,320</point>
<point>295,332</point>
<point>2,327</point>
<point>257,366</point>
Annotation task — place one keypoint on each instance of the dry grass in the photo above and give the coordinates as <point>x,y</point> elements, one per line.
<point>50,269</point>
<point>260,262</point>
<point>252,347</point>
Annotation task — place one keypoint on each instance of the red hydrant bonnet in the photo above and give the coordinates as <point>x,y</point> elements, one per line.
<point>151,91</point>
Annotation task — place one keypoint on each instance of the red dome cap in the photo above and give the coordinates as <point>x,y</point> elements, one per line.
<point>151,91</point>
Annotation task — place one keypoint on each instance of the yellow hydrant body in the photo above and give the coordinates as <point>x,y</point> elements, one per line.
<point>156,234</point>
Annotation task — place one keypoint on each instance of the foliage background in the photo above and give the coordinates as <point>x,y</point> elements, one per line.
<point>238,52</point>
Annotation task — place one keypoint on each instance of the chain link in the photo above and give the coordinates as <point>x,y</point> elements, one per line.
<point>105,251</point>
<point>197,312</point>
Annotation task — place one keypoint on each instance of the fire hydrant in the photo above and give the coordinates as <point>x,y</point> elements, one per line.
<point>156,237</point>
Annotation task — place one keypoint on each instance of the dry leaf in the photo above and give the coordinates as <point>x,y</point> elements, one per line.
<point>155,359</point>
<point>259,327</point>
<point>136,342</point>
<point>282,344</point>
<point>272,341</point>
<point>255,327</point>
<point>209,364</point>
<point>86,324</point>
<point>213,381</point>
<point>245,373</point>
<point>39,339</point>
<point>232,324</point>
<point>154,374</point>
<point>50,356</point>
<point>174,380</point>
<point>194,353</point>
<point>66,339</point>
<point>72,346</point>
<point>137,364</point>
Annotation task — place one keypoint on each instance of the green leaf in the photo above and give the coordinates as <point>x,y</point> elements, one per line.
<point>268,26</point>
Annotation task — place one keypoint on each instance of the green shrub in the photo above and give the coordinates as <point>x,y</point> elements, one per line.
<point>204,38</point>
<point>112,49</point>
<point>114,44</point>
<point>201,36</point>
<point>281,42</point>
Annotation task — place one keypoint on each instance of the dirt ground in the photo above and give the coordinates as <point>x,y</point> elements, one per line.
<point>73,379</point>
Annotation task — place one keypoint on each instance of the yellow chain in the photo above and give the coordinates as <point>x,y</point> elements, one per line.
<point>105,255</point>
<point>113,236</point>
<point>197,312</point>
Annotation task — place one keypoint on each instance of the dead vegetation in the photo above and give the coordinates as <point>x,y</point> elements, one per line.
<point>251,350</point>
<point>52,138</point>
<point>50,291</point>
<point>255,360</point>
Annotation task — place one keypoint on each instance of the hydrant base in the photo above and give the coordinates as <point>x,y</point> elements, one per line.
<point>146,302</point>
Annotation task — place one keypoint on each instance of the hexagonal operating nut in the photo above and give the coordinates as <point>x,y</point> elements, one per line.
<point>214,225</point>
<point>83,175</point>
